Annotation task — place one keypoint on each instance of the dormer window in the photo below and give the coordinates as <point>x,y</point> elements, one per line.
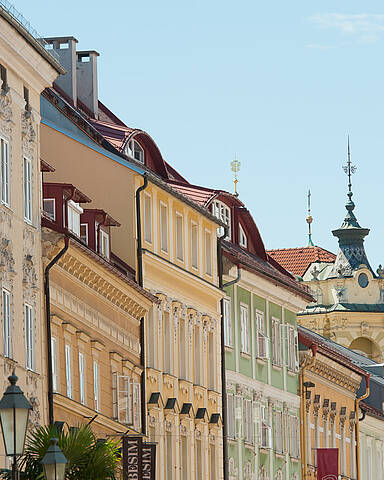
<point>104,244</point>
<point>74,212</point>
<point>134,150</point>
<point>49,208</point>
<point>243,242</point>
<point>84,232</point>
<point>223,213</point>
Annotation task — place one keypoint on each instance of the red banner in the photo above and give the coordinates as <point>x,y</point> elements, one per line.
<point>327,463</point>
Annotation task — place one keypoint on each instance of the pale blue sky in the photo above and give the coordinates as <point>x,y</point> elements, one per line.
<point>279,83</point>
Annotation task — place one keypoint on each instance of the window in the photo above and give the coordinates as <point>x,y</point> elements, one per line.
<point>147,218</point>
<point>194,245</point>
<point>7,329</point>
<point>134,150</point>
<point>168,456</point>
<point>122,398</point>
<point>96,397</point>
<point>68,370</point>
<point>163,227</point>
<point>29,337</point>
<point>4,172</point>
<point>211,362</point>
<point>74,212</point>
<point>26,99</point>
<point>231,415</point>
<point>293,361</point>
<point>179,237</point>
<point>104,244</point>
<point>276,342</point>
<point>183,459</point>
<point>182,349</point>
<point>244,325</point>
<point>223,213</point>
<point>167,342</point>
<point>197,356</point>
<point>227,322</point>
<point>50,208</point>
<point>84,232</point>
<point>136,405</point>
<point>3,78</point>
<point>248,421</point>
<point>208,253</point>
<point>278,431</point>
<point>27,190</point>
<point>82,377</point>
<point>198,460</point>
<point>262,340</point>
<point>54,364</point>
<point>212,462</point>
<point>294,435</point>
<point>243,242</point>
<point>266,430</point>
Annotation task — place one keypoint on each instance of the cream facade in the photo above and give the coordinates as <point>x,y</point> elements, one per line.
<point>26,69</point>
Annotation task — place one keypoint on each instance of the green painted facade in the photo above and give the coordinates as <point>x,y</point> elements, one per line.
<point>262,383</point>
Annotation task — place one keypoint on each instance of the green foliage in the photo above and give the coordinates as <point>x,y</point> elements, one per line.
<point>87,458</point>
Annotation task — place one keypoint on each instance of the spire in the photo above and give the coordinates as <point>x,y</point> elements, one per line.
<point>351,236</point>
<point>235,167</point>
<point>309,220</point>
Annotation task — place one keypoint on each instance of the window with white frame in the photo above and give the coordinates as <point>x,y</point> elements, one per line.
<point>248,421</point>
<point>104,244</point>
<point>231,415</point>
<point>194,245</point>
<point>294,435</point>
<point>208,253</point>
<point>179,237</point>
<point>82,377</point>
<point>266,430</point>
<point>7,324</point>
<point>243,242</point>
<point>227,322</point>
<point>96,386</point>
<point>68,369</point>
<point>276,342</point>
<point>211,362</point>
<point>27,189</point>
<point>74,211</point>
<point>262,340</point>
<point>4,152</point>
<point>292,350</point>
<point>197,356</point>
<point>245,331</point>
<point>134,150</point>
<point>163,227</point>
<point>49,207</point>
<point>136,406</point>
<point>147,218</point>
<point>55,381</point>
<point>29,337</point>
<point>84,232</point>
<point>278,431</point>
<point>223,213</point>
<point>122,398</point>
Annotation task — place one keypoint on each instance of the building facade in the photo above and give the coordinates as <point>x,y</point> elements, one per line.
<point>168,243</point>
<point>25,70</point>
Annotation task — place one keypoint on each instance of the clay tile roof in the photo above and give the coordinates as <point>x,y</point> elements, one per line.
<point>114,134</point>
<point>199,195</point>
<point>297,260</point>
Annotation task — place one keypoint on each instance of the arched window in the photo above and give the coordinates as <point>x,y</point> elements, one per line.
<point>222,212</point>
<point>134,150</point>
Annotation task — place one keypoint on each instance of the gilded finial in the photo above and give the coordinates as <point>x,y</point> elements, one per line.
<point>235,167</point>
<point>309,220</point>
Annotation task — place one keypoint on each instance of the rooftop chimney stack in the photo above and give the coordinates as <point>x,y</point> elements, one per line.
<point>65,47</point>
<point>87,80</point>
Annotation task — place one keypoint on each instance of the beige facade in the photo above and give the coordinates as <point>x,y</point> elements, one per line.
<point>26,69</point>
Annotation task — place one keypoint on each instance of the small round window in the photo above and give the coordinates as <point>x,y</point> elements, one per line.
<point>363,280</point>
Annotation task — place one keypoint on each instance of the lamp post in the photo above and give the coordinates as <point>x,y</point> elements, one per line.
<point>14,413</point>
<point>54,462</point>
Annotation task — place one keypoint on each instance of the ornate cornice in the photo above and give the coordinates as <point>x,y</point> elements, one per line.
<point>335,376</point>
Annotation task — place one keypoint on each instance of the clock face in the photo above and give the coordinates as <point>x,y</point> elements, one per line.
<point>363,280</point>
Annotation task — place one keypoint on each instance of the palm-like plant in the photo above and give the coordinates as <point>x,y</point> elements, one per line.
<point>88,458</point>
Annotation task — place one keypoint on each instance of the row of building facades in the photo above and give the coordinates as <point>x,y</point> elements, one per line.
<point>146,305</point>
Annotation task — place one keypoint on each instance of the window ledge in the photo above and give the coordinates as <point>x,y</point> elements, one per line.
<point>292,373</point>
<point>265,450</point>
<point>228,348</point>
<point>278,368</point>
<point>248,444</point>
<point>245,355</point>
<point>231,440</point>
<point>279,455</point>
<point>261,361</point>
<point>294,459</point>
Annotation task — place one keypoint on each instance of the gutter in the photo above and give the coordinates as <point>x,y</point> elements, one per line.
<point>142,321</point>
<point>48,325</point>
<point>357,401</point>
<point>303,420</point>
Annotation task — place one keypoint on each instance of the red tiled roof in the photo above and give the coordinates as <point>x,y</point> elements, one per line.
<point>297,260</point>
<point>115,134</point>
<point>199,195</point>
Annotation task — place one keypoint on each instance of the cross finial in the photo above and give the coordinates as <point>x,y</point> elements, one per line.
<point>349,169</point>
<point>309,220</point>
<point>235,167</point>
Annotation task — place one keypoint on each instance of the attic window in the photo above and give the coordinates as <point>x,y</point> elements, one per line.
<point>243,242</point>
<point>223,213</point>
<point>134,150</point>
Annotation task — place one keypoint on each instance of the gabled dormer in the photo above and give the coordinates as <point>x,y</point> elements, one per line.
<point>95,230</point>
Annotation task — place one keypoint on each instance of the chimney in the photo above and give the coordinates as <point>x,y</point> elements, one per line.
<point>65,48</point>
<point>87,80</point>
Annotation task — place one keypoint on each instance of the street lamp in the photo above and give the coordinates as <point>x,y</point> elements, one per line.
<point>14,413</point>
<point>54,462</point>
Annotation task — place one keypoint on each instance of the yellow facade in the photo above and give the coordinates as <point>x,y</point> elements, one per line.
<point>26,69</point>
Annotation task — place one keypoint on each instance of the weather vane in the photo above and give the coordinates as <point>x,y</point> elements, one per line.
<point>309,220</point>
<point>235,167</point>
<point>349,169</point>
